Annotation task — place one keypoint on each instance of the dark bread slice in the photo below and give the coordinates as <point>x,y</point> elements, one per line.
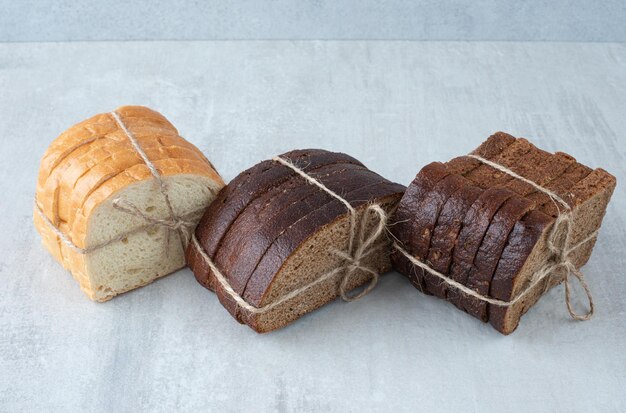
<point>475,225</point>
<point>426,219</point>
<point>260,239</point>
<point>239,249</point>
<point>490,251</point>
<point>525,254</point>
<point>408,207</point>
<point>290,265</point>
<point>447,231</point>
<point>235,196</point>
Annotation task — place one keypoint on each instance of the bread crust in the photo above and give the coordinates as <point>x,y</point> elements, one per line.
<point>520,243</point>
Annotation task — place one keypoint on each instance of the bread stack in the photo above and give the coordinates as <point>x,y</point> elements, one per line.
<point>109,218</point>
<point>282,240</point>
<point>491,230</point>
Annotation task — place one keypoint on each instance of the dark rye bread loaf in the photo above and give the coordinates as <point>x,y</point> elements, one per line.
<point>501,260</point>
<point>278,234</point>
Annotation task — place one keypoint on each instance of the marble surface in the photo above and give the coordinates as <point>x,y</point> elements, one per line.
<point>170,346</point>
<point>71,20</point>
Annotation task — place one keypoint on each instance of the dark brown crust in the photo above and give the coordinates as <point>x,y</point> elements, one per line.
<point>475,225</point>
<point>490,250</point>
<point>261,239</point>
<point>233,198</point>
<point>403,226</point>
<point>521,242</point>
<point>447,231</point>
<point>288,241</point>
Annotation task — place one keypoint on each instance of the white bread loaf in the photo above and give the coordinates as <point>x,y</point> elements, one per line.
<point>103,212</point>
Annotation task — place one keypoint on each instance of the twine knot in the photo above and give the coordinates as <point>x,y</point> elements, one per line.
<point>365,245</point>
<point>558,245</point>
<point>172,223</point>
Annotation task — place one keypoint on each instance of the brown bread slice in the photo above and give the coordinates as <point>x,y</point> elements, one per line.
<point>490,251</point>
<point>403,227</point>
<point>526,254</point>
<point>426,220</point>
<point>242,190</point>
<point>447,230</point>
<point>298,268</point>
<point>240,266</point>
<point>475,225</point>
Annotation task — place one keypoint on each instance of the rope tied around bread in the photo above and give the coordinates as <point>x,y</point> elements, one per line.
<point>558,244</point>
<point>360,246</point>
<point>172,223</point>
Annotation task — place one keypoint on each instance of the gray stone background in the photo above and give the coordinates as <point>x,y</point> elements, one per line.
<point>532,20</point>
<point>394,104</point>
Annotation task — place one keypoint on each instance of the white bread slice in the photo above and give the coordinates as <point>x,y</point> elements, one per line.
<point>148,251</point>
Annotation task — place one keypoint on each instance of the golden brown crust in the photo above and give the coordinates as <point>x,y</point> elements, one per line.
<point>93,160</point>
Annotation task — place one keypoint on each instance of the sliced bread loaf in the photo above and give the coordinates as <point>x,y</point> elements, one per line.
<point>495,235</point>
<point>310,235</point>
<point>117,198</point>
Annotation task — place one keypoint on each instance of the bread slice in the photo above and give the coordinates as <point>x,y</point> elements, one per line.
<point>86,171</point>
<point>293,243</point>
<point>591,197</point>
<point>498,226</point>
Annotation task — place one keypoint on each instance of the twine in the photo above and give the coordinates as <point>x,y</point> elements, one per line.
<point>172,223</point>
<point>561,230</point>
<point>360,246</point>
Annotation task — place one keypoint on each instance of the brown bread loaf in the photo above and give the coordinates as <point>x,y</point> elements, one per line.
<point>491,234</point>
<point>275,238</point>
